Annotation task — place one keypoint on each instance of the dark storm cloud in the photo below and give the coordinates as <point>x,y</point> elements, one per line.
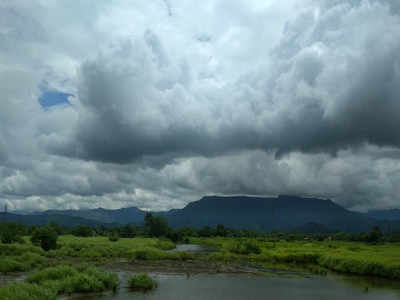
<point>333,84</point>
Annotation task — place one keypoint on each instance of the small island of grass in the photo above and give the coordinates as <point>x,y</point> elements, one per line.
<point>142,282</point>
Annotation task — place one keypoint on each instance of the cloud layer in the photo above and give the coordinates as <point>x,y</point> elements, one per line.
<point>168,102</point>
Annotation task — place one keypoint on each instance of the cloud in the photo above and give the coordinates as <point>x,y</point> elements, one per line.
<point>264,97</point>
<point>322,95</point>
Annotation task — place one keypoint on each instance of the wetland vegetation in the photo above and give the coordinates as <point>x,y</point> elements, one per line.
<point>88,261</point>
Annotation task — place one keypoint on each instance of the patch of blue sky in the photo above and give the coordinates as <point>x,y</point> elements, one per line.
<point>53,98</point>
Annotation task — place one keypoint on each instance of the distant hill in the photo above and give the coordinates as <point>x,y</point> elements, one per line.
<point>389,214</point>
<point>67,221</point>
<point>131,215</point>
<point>282,213</point>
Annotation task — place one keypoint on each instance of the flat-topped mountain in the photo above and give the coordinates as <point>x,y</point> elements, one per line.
<point>267,214</point>
<point>282,213</point>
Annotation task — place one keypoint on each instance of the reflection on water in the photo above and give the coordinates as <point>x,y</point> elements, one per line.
<point>231,287</point>
<point>190,248</point>
<point>7,279</point>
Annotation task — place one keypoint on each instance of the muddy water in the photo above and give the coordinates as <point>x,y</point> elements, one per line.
<point>231,287</point>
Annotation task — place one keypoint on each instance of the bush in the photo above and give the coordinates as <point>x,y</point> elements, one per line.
<point>26,291</point>
<point>65,279</point>
<point>165,244</point>
<point>46,237</point>
<point>82,231</point>
<point>148,254</point>
<point>156,226</point>
<point>8,264</point>
<point>11,232</point>
<point>113,237</point>
<point>142,282</point>
<point>246,247</point>
<point>24,262</point>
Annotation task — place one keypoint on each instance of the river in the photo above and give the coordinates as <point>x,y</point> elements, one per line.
<point>248,287</point>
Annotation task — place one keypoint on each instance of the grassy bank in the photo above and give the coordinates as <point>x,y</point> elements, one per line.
<point>345,257</point>
<point>53,281</point>
<point>47,279</point>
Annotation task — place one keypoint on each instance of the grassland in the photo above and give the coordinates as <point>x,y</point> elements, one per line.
<point>344,257</point>
<point>76,264</point>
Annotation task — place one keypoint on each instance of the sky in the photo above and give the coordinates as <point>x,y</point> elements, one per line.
<point>155,104</point>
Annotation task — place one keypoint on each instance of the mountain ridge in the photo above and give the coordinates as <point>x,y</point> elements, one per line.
<point>281,213</point>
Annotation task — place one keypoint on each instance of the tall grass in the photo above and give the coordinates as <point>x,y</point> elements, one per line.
<point>346,257</point>
<point>24,262</point>
<point>65,279</point>
<point>142,282</point>
<point>26,291</point>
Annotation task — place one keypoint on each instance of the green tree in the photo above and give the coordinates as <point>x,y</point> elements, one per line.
<point>46,237</point>
<point>374,236</point>
<point>156,226</point>
<point>220,230</point>
<point>82,231</point>
<point>128,231</point>
<point>159,227</point>
<point>113,237</point>
<point>11,232</point>
<point>148,219</point>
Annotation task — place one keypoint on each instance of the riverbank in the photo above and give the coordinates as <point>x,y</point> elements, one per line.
<point>243,256</point>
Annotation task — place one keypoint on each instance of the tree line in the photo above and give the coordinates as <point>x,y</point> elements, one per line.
<point>157,226</point>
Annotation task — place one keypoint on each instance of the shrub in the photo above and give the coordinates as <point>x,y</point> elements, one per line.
<point>11,232</point>
<point>25,291</point>
<point>82,231</point>
<point>147,254</point>
<point>142,281</point>
<point>46,237</point>
<point>165,244</point>
<point>113,237</point>
<point>53,273</point>
<point>16,249</point>
<point>8,264</point>
<point>246,247</point>
<point>8,237</point>
<point>65,279</point>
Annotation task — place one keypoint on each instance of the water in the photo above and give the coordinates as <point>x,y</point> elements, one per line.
<point>232,287</point>
<point>11,278</point>
<point>190,248</point>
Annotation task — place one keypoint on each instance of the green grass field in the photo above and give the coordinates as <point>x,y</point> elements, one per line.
<point>47,278</point>
<point>345,257</point>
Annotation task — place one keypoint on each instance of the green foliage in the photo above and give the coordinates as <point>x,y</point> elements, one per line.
<point>246,247</point>
<point>382,260</point>
<point>113,237</point>
<point>165,244</point>
<point>156,226</point>
<point>8,264</point>
<point>220,230</point>
<point>128,231</point>
<point>65,279</point>
<point>142,281</point>
<point>148,254</point>
<point>11,232</point>
<point>46,237</point>
<point>82,231</point>
<point>24,262</point>
<point>375,236</point>
<point>26,291</point>
<point>17,249</point>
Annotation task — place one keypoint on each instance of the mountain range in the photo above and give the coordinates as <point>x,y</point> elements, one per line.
<point>282,213</point>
